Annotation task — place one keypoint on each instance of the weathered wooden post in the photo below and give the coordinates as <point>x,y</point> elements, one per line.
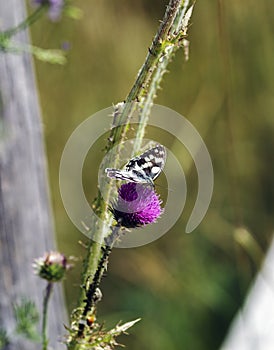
<point>26,226</point>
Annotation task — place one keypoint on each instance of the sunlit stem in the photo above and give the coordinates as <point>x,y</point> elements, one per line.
<point>164,45</point>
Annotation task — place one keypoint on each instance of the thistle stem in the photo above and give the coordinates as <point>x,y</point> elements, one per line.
<point>47,295</point>
<point>140,85</point>
<point>165,43</point>
<point>32,18</point>
<point>91,292</point>
<point>140,89</point>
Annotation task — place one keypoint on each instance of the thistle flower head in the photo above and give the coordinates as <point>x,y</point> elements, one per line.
<point>52,266</point>
<point>137,205</point>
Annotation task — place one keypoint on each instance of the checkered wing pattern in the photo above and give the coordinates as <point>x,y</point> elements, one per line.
<point>142,169</point>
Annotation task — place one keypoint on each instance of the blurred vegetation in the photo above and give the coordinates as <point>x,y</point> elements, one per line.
<point>186,288</point>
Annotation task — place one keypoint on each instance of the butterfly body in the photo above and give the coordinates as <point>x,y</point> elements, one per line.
<point>142,169</point>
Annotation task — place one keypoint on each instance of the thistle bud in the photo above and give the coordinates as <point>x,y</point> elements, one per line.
<point>52,266</point>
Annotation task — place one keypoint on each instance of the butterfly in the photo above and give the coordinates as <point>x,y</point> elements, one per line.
<point>142,169</point>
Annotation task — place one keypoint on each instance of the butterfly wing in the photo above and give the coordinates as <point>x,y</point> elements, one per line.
<point>142,169</point>
<point>124,175</point>
<point>150,163</point>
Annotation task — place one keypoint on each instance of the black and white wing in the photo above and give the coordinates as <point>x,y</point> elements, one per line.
<point>142,169</point>
<point>151,162</point>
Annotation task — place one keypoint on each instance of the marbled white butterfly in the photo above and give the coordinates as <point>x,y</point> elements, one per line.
<point>142,169</point>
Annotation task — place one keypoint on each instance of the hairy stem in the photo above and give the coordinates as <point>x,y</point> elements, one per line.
<point>176,33</point>
<point>92,289</point>
<point>167,40</point>
<point>141,84</point>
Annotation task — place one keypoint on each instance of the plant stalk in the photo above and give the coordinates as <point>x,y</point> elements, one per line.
<point>47,295</point>
<point>32,18</point>
<point>166,42</point>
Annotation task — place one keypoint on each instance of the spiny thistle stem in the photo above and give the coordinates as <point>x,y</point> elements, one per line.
<point>175,35</point>
<point>91,292</point>
<point>154,53</point>
<point>93,287</point>
<point>167,40</point>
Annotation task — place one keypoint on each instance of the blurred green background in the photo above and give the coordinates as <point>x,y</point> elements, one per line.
<point>186,288</point>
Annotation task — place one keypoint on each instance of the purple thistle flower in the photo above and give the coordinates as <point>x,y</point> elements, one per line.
<point>55,7</point>
<point>137,205</point>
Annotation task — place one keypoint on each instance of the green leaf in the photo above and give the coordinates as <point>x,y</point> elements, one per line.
<point>119,329</point>
<point>4,42</point>
<point>27,318</point>
<point>102,339</point>
<point>53,56</point>
<point>4,339</point>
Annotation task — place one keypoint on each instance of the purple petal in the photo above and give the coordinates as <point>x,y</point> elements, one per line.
<point>137,205</point>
